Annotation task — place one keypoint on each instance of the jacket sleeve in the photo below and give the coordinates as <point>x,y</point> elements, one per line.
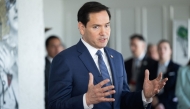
<point>60,86</point>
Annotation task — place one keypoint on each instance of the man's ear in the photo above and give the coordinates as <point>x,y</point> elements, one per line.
<point>81,28</point>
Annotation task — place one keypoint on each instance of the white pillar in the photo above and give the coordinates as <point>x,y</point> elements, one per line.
<point>31,54</point>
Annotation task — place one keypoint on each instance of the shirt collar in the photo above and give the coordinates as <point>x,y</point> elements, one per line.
<point>50,59</point>
<point>140,58</point>
<point>92,49</point>
<point>165,64</point>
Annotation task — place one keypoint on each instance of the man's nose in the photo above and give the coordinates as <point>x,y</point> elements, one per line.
<point>103,31</point>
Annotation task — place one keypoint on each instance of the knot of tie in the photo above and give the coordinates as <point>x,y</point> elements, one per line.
<point>99,53</point>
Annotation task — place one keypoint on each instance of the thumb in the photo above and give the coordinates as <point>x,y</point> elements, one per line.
<point>91,79</point>
<point>146,75</point>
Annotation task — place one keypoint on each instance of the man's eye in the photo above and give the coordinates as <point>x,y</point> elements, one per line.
<point>107,25</point>
<point>96,27</point>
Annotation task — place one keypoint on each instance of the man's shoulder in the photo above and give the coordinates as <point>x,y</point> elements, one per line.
<point>110,50</point>
<point>129,60</point>
<point>151,61</point>
<point>174,65</point>
<point>69,52</point>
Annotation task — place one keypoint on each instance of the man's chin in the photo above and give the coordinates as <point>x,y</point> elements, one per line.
<point>102,46</point>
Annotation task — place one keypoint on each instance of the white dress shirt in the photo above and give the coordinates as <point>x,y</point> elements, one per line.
<point>93,51</point>
<point>50,59</point>
<point>137,61</point>
<point>136,64</point>
<point>162,67</point>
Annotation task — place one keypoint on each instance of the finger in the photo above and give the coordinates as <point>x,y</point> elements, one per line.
<point>159,78</point>
<point>163,83</point>
<point>107,88</point>
<point>146,74</point>
<point>91,79</point>
<point>102,83</point>
<point>165,80</point>
<point>109,93</point>
<point>107,100</point>
<point>105,94</point>
<point>156,91</point>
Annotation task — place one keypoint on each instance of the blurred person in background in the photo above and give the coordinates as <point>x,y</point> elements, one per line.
<point>152,52</point>
<point>166,99</point>
<point>182,87</point>
<point>136,65</point>
<point>9,60</point>
<point>53,47</point>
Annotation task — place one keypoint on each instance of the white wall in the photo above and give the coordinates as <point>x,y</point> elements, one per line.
<point>31,54</point>
<point>152,18</point>
<point>54,17</point>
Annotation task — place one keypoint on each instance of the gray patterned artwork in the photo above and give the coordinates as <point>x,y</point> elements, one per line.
<point>8,55</point>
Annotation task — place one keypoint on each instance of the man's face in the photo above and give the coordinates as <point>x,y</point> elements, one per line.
<point>164,51</point>
<point>154,52</point>
<point>97,30</point>
<point>54,47</point>
<point>137,47</point>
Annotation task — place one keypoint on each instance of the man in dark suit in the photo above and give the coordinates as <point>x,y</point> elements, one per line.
<point>166,99</point>
<point>53,47</point>
<point>90,75</point>
<point>136,65</point>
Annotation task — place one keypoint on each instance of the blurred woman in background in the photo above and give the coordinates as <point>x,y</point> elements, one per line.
<point>183,87</point>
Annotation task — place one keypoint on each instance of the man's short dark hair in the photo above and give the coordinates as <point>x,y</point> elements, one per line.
<point>50,38</point>
<point>137,36</point>
<point>164,41</point>
<point>90,7</point>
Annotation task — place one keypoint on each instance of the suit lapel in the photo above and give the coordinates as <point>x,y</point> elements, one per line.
<point>88,61</point>
<point>168,68</point>
<point>111,59</point>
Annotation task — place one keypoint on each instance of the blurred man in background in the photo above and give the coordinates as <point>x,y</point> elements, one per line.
<point>152,52</point>
<point>136,65</point>
<point>53,47</point>
<point>166,99</point>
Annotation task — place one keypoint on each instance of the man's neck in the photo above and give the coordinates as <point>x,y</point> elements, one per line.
<point>163,61</point>
<point>141,56</point>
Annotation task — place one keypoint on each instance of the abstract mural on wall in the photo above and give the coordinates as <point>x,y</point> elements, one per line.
<point>8,55</point>
<point>180,42</point>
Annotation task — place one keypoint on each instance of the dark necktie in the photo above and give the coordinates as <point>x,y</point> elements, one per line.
<point>103,68</point>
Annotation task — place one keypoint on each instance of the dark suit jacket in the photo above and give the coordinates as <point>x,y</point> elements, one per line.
<point>147,63</point>
<point>168,96</point>
<point>68,84</point>
<point>47,70</point>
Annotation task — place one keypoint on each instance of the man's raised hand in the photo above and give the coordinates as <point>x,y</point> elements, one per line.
<point>97,93</point>
<point>151,88</point>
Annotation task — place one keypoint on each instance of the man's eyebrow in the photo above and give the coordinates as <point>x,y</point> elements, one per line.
<point>100,25</point>
<point>108,23</point>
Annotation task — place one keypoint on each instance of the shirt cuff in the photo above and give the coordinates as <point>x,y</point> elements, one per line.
<point>146,102</point>
<point>84,103</point>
